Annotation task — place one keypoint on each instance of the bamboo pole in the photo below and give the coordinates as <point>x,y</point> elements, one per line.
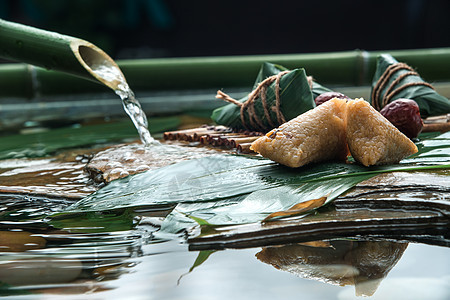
<point>54,51</point>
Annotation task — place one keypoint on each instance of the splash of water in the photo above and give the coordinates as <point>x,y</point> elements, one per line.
<point>130,103</point>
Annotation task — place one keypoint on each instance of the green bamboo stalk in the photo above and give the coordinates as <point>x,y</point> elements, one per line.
<point>53,51</point>
<point>15,81</point>
<point>38,47</point>
<point>350,68</point>
<point>237,71</point>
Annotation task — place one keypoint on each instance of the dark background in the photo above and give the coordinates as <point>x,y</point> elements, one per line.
<point>177,28</point>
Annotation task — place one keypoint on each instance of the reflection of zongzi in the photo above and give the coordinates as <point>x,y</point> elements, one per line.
<point>394,80</point>
<point>363,264</point>
<point>316,135</point>
<point>278,95</point>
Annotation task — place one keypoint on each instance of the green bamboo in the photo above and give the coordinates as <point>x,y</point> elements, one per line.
<point>15,81</point>
<point>38,47</point>
<point>52,51</point>
<point>237,71</point>
<point>349,68</point>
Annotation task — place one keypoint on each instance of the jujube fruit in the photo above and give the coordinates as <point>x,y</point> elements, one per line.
<point>324,97</point>
<point>405,115</point>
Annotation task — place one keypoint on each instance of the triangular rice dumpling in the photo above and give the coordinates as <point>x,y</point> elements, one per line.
<point>296,92</point>
<point>314,136</point>
<point>372,139</point>
<point>395,80</point>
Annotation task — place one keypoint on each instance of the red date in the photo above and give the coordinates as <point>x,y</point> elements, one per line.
<point>328,96</point>
<point>405,115</point>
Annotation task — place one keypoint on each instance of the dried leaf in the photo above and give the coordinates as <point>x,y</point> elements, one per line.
<point>317,244</point>
<point>297,209</point>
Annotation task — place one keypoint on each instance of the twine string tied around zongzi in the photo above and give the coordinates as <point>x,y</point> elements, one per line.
<point>390,91</point>
<point>249,105</point>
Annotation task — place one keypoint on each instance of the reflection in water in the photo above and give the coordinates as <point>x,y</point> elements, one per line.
<point>75,256</point>
<point>340,262</point>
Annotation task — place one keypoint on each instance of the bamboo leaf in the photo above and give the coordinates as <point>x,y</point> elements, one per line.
<point>230,189</point>
<point>259,204</point>
<point>199,221</point>
<point>201,258</point>
<point>94,222</point>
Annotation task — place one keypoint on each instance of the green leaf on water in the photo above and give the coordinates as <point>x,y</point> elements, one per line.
<point>199,221</point>
<point>95,222</point>
<point>201,258</point>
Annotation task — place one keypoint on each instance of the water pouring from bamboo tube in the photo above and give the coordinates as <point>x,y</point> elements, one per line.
<point>72,55</point>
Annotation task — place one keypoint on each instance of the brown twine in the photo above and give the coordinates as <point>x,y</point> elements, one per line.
<point>395,82</point>
<point>399,89</point>
<point>260,91</point>
<point>384,79</point>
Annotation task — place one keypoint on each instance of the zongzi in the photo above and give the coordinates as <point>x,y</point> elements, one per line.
<point>394,80</point>
<point>317,135</point>
<point>278,95</point>
<point>330,130</point>
<point>372,139</point>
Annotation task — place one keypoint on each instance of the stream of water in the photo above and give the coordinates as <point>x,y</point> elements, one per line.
<point>131,105</point>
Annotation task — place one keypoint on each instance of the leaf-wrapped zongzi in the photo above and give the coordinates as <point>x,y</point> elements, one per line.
<point>394,80</point>
<point>278,95</point>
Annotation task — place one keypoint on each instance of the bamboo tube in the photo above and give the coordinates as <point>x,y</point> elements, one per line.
<point>438,127</point>
<point>237,141</point>
<point>244,148</point>
<point>437,123</point>
<point>344,68</point>
<point>207,138</point>
<point>183,133</point>
<point>215,141</point>
<point>437,119</point>
<point>227,140</point>
<point>195,137</point>
<point>54,51</point>
<point>204,140</point>
<point>172,135</point>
